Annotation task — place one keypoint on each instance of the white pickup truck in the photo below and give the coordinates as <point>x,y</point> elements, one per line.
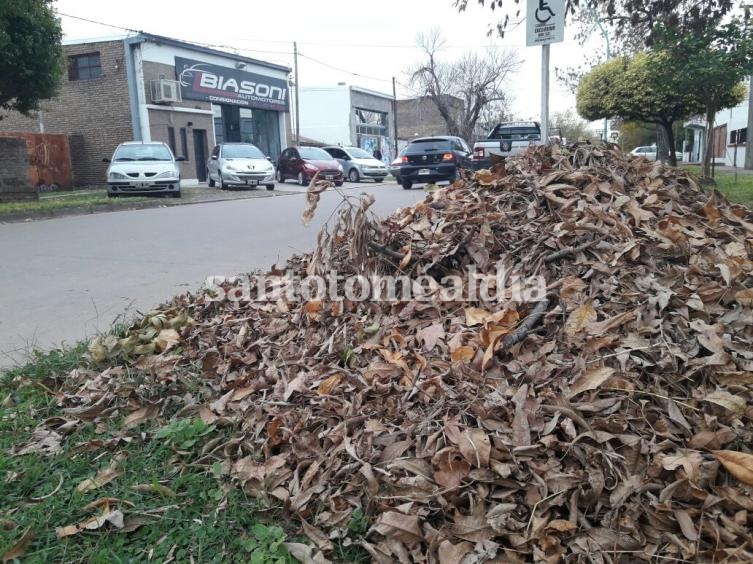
<point>506,139</point>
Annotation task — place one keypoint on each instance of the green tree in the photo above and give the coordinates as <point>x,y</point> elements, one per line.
<point>649,87</point>
<point>31,55</point>
<point>716,60</point>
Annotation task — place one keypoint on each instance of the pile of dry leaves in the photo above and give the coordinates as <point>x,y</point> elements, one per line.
<point>607,420</point>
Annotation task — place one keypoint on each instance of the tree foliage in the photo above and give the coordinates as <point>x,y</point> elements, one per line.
<point>714,62</point>
<point>571,126</point>
<point>31,55</point>
<point>647,87</point>
<point>630,18</point>
<point>476,79</point>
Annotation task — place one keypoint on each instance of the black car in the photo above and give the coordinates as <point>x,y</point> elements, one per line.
<point>433,159</point>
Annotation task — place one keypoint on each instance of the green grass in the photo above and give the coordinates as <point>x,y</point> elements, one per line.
<point>61,200</point>
<point>739,190</point>
<point>184,506</point>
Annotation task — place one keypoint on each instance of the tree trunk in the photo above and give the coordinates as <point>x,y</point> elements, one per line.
<point>708,151</point>
<point>665,145</point>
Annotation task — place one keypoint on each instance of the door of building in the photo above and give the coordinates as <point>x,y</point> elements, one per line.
<point>200,153</point>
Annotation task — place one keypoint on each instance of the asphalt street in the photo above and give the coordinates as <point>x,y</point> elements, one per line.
<point>67,279</point>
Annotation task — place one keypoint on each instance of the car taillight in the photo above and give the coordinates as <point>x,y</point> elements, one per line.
<point>478,153</point>
<point>448,157</point>
<point>404,159</point>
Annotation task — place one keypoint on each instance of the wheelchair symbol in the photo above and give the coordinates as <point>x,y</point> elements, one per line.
<point>542,9</point>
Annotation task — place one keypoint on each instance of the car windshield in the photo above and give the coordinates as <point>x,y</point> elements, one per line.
<point>241,152</point>
<point>508,133</point>
<point>357,153</point>
<point>142,153</point>
<point>314,153</point>
<point>429,145</point>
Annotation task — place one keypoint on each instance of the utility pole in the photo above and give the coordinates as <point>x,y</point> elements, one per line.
<point>605,35</point>
<point>394,115</point>
<point>297,105</point>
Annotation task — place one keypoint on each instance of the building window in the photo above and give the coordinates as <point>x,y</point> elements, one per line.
<point>171,138</point>
<point>184,142</point>
<point>738,136</point>
<point>84,67</point>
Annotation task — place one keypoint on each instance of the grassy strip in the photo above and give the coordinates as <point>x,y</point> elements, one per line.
<point>738,189</point>
<point>176,505</point>
<point>62,200</point>
<point>172,507</point>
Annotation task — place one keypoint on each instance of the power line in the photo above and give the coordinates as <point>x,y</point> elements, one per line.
<point>212,45</point>
<point>344,70</point>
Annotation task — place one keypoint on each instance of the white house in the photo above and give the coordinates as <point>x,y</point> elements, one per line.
<point>730,135</point>
<point>348,116</point>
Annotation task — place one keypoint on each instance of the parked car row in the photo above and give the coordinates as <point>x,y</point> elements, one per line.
<point>151,167</point>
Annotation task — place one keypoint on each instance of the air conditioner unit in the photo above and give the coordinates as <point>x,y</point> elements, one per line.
<point>165,91</point>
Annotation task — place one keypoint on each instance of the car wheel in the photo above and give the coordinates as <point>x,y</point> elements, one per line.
<point>338,184</point>
<point>176,194</point>
<point>211,182</point>
<point>353,175</point>
<point>223,186</point>
<point>407,185</point>
<point>112,195</point>
<point>279,177</point>
<point>378,180</point>
<point>301,179</point>
<point>270,186</point>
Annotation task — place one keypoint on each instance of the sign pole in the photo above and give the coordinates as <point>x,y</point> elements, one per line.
<point>545,93</point>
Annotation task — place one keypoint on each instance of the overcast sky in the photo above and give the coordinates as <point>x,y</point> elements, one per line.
<point>376,40</point>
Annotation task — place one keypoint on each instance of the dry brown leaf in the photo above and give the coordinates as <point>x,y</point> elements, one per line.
<point>475,447</point>
<point>745,297</point>
<point>400,526</point>
<point>326,387</point>
<point>463,354</point>
<point>734,403</point>
<point>449,553</point>
<point>687,526</point>
<point>114,518</point>
<point>167,339</point>
<point>476,316</point>
<point>430,336</point>
<point>19,549</point>
<point>579,319</point>
<point>139,416</point>
<point>590,380</point>
<point>739,464</point>
<point>104,476</point>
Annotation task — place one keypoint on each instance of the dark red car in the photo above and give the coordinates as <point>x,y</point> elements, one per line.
<point>302,163</point>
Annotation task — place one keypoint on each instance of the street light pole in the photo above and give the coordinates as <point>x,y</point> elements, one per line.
<point>605,35</point>
<point>297,105</point>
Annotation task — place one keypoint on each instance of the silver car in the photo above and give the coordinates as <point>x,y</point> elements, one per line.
<point>239,164</point>
<point>137,167</point>
<point>358,164</point>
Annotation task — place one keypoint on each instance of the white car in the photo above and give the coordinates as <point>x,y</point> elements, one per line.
<point>358,164</point>
<point>137,167</point>
<point>239,164</point>
<point>648,152</point>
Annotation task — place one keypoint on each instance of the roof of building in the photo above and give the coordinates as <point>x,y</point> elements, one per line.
<point>211,50</point>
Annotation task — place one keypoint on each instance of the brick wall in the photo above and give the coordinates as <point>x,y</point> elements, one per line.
<point>14,171</point>
<point>97,111</point>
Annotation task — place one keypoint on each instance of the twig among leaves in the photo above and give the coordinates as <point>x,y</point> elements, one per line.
<point>525,328</point>
<point>567,251</point>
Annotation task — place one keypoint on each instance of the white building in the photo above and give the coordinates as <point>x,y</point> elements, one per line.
<point>348,116</point>
<point>730,134</point>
